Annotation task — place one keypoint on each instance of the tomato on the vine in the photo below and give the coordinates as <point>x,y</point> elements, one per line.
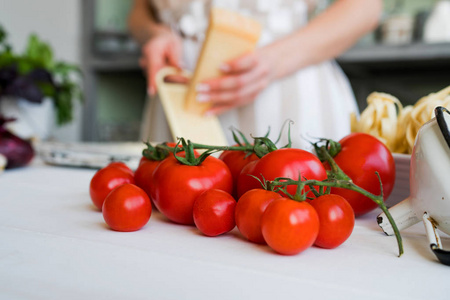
<point>245,182</point>
<point>121,165</point>
<point>143,175</point>
<point>236,161</point>
<point>336,219</point>
<point>360,157</point>
<point>127,208</point>
<point>176,185</point>
<point>289,227</point>
<point>213,212</point>
<point>287,162</point>
<point>105,180</point>
<point>249,210</point>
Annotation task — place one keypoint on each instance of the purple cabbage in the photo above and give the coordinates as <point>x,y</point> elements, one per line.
<point>17,151</point>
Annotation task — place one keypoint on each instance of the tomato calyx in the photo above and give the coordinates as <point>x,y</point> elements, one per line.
<point>262,145</point>
<point>158,152</point>
<point>280,184</point>
<point>266,184</point>
<point>190,158</point>
<point>326,149</point>
<point>330,146</point>
<point>300,195</point>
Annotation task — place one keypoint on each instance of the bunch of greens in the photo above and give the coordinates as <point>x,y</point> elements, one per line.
<point>35,74</point>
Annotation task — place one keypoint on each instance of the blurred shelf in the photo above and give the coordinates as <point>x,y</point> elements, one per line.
<point>395,53</point>
<point>387,57</point>
<point>114,63</point>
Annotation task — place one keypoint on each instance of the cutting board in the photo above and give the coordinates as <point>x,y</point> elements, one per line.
<point>189,125</point>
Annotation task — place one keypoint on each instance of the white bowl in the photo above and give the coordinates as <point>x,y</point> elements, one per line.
<point>401,186</point>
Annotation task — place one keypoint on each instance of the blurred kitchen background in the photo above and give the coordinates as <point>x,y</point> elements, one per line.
<point>407,56</point>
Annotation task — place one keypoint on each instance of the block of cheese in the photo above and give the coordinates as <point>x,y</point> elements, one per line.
<point>194,127</point>
<point>229,36</point>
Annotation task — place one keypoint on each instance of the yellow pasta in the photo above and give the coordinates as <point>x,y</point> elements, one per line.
<point>395,125</point>
<point>379,118</point>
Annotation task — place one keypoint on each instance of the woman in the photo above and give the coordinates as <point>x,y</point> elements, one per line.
<point>291,75</point>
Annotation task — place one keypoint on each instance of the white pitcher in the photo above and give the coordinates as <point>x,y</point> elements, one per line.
<point>429,178</point>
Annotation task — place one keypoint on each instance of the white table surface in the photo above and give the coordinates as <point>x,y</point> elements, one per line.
<point>54,244</point>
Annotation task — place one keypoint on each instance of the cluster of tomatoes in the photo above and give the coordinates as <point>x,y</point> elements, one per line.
<point>220,193</point>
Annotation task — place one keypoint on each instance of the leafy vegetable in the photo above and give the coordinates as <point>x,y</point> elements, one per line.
<point>35,74</point>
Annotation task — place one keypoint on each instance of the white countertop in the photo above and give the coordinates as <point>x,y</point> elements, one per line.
<point>54,244</point>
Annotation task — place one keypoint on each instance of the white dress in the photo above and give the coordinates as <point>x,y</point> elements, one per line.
<point>318,99</point>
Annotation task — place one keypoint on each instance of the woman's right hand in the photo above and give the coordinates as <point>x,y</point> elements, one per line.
<point>163,49</point>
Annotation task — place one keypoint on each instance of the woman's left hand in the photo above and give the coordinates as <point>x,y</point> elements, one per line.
<point>244,78</point>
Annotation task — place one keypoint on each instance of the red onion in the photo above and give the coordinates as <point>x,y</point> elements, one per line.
<point>18,152</point>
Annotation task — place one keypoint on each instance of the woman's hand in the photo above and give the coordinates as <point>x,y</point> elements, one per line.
<point>160,51</point>
<point>244,78</point>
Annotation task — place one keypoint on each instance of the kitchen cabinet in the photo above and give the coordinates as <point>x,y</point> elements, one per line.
<point>113,82</point>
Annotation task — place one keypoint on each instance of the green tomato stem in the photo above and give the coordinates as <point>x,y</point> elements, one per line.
<point>262,146</point>
<point>336,171</point>
<point>223,148</point>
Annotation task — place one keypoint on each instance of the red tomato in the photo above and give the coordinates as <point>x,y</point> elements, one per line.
<point>236,160</point>
<point>105,180</point>
<point>287,162</point>
<point>336,219</point>
<point>289,227</point>
<point>176,186</point>
<point>361,155</point>
<point>127,208</point>
<point>142,160</point>
<point>213,212</point>
<point>245,182</point>
<point>249,210</point>
<point>120,165</point>
<point>144,174</point>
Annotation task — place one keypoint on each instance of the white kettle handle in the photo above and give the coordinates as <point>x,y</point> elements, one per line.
<point>435,241</point>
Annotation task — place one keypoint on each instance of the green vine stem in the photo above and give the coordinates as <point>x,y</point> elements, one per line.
<point>345,184</point>
<point>261,147</point>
